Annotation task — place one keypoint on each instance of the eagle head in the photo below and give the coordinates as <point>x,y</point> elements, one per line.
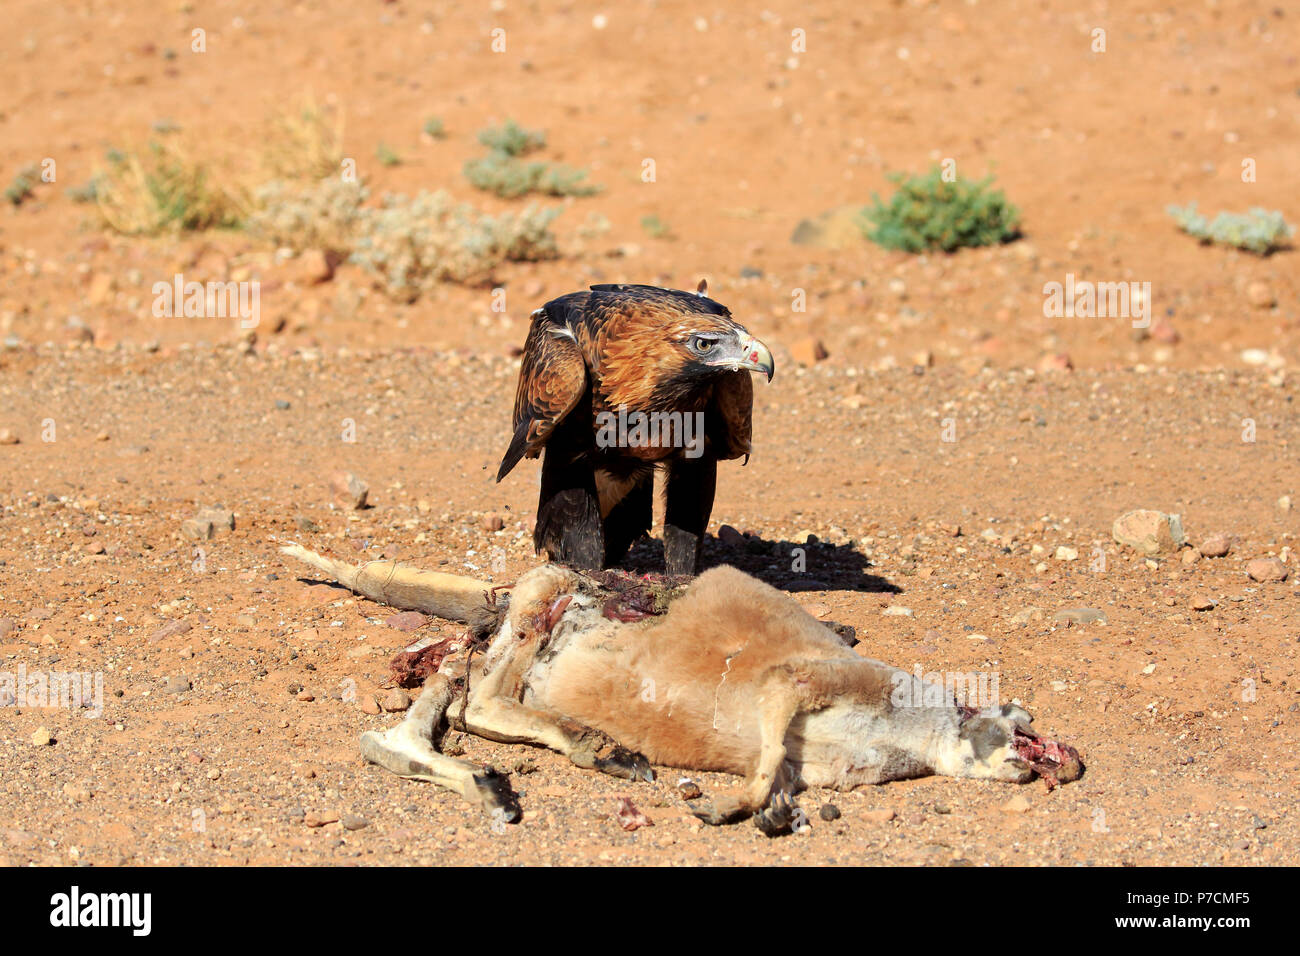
<point>720,344</point>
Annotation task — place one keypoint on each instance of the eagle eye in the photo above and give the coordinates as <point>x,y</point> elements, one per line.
<point>701,345</point>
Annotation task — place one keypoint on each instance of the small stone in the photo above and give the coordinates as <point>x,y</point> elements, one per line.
<point>349,490</point>
<point>493,523</point>
<point>7,437</point>
<point>1202,602</point>
<point>1079,615</point>
<point>369,705</point>
<point>41,737</point>
<point>689,789</point>
<point>76,792</point>
<point>306,696</point>
<point>1066,554</point>
<point>1025,615</point>
<point>1149,532</point>
<point>1215,546</point>
<point>897,610</point>
<point>351,821</point>
<point>1190,557</point>
<point>1267,570</point>
<point>171,629</point>
<point>730,537</point>
<point>407,620</point>
<point>396,700</point>
<point>1260,294</point>
<point>7,626</point>
<point>829,812</point>
<point>320,818</point>
<point>1017,804</point>
<point>176,685</point>
<point>219,518</point>
<point>808,351</point>
<point>1056,362</point>
<point>196,530</point>
<point>315,266</point>
<point>1284,504</point>
<point>305,524</point>
<point>879,816</point>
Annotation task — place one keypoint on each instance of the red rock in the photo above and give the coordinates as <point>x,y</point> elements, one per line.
<point>1267,570</point>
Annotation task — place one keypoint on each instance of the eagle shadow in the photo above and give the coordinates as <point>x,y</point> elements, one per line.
<point>788,565</point>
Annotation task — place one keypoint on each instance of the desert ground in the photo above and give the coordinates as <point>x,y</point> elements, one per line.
<point>950,457</point>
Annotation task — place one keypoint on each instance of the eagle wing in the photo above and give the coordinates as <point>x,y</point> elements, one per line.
<point>552,380</point>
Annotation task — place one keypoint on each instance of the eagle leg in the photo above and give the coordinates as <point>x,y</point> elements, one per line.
<point>629,520</point>
<point>568,514</point>
<point>689,492</point>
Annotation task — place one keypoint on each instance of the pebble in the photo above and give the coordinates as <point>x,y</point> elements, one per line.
<point>730,537</point>
<point>7,626</point>
<point>1284,504</point>
<point>171,629</point>
<point>1066,554</point>
<point>351,821</point>
<point>407,620</point>
<point>197,530</point>
<point>493,523</point>
<point>1267,570</point>
<point>349,490</point>
<point>689,789</point>
<point>879,816</point>
<point>1149,532</point>
<point>1215,546</point>
<point>369,705</point>
<point>1027,614</point>
<point>808,351</point>
<point>41,737</point>
<point>219,518</point>
<point>7,437</point>
<point>176,685</point>
<point>829,812</point>
<point>1017,804</point>
<point>396,700</point>
<point>1260,294</point>
<point>897,610</point>
<point>320,818</point>
<point>1080,615</point>
<point>1202,602</point>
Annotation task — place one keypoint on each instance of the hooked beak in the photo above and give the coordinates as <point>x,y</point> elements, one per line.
<point>752,355</point>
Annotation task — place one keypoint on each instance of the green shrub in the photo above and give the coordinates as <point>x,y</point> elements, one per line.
<point>928,213</point>
<point>387,156</point>
<point>23,186</point>
<point>504,173</point>
<point>509,177</point>
<point>655,227</point>
<point>408,243</point>
<point>1258,231</point>
<point>433,128</point>
<point>512,139</point>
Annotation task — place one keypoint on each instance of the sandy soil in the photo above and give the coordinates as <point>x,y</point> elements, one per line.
<point>225,731</point>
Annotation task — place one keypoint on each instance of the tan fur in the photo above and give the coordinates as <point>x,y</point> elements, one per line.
<point>736,677</point>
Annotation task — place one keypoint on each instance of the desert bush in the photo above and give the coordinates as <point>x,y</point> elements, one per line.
<point>510,177</point>
<point>655,227</point>
<point>387,156</point>
<point>303,142</point>
<point>926,212</point>
<point>164,188</point>
<point>433,128</point>
<point>411,243</point>
<point>23,186</point>
<point>1258,231</point>
<point>505,173</point>
<point>322,215</point>
<point>512,139</point>
<point>408,243</point>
